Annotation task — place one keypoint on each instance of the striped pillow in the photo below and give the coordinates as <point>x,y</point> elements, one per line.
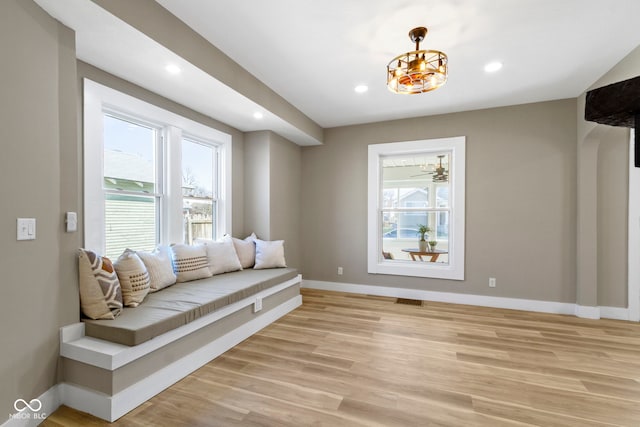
<point>159,266</point>
<point>100,293</point>
<point>190,262</point>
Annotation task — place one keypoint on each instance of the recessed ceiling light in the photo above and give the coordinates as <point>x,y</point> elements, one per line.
<point>492,67</point>
<point>258,115</point>
<point>361,88</point>
<point>172,69</point>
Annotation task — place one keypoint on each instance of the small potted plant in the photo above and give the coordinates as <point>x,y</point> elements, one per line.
<point>422,243</point>
<point>432,245</point>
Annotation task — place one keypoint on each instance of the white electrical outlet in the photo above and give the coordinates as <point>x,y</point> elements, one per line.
<point>340,271</point>
<point>72,221</point>
<point>492,282</point>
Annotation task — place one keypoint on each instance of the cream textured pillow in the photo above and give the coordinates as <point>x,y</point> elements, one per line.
<point>100,293</point>
<point>159,266</point>
<point>246,250</point>
<point>134,278</point>
<point>190,262</point>
<point>221,255</point>
<point>269,254</point>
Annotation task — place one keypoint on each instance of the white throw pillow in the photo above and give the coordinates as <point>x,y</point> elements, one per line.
<point>133,276</point>
<point>269,254</point>
<point>221,255</point>
<point>159,266</point>
<point>190,262</point>
<point>246,250</point>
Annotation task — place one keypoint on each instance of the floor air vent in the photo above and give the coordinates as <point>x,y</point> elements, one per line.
<point>408,301</point>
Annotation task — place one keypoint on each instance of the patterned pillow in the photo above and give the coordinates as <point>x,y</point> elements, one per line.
<point>246,250</point>
<point>221,255</point>
<point>100,293</point>
<point>159,266</point>
<point>269,254</point>
<point>190,262</point>
<point>134,278</point>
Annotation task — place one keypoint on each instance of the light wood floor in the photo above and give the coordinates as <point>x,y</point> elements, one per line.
<point>354,360</point>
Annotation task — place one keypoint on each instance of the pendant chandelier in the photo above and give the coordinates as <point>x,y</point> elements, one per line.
<point>419,70</point>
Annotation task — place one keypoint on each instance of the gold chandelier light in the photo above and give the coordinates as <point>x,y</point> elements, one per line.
<point>419,70</point>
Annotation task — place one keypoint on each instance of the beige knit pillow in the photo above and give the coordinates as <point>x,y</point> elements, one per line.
<point>190,262</point>
<point>159,266</point>
<point>134,278</point>
<point>246,250</point>
<point>100,293</point>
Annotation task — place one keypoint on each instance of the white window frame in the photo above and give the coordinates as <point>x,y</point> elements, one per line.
<point>376,263</point>
<point>99,99</point>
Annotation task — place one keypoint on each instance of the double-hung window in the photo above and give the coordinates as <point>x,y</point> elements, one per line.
<point>151,177</point>
<point>416,208</point>
<point>132,184</point>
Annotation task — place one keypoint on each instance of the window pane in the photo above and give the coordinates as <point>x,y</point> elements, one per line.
<point>130,222</point>
<point>410,182</point>
<point>199,221</point>
<point>128,156</point>
<point>390,198</point>
<point>442,196</point>
<point>442,226</point>
<point>129,166</point>
<point>198,190</point>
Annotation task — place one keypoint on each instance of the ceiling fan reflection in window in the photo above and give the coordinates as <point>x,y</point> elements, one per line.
<point>440,174</point>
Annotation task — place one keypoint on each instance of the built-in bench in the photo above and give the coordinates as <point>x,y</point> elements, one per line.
<point>111,366</point>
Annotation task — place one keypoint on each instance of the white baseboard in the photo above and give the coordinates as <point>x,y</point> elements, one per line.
<point>479,300</point>
<point>616,313</point>
<point>587,312</point>
<point>113,407</point>
<point>49,401</point>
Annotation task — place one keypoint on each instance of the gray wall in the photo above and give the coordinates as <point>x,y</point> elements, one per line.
<point>286,191</point>
<point>39,175</point>
<point>613,208</point>
<point>273,190</point>
<point>602,263</point>
<point>520,200</point>
<point>257,213</point>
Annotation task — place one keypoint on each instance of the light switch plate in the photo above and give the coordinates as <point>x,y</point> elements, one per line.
<point>26,229</point>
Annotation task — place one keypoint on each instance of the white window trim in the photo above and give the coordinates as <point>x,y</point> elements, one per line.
<point>97,98</point>
<point>376,264</point>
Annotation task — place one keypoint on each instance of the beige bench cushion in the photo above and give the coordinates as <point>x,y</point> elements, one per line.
<point>182,303</point>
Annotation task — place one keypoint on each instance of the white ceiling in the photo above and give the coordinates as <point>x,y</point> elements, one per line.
<point>313,53</point>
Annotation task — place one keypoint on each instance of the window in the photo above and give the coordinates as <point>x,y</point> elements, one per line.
<point>132,184</point>
<point>199,190</point>
<point>413,185</point>
<point>150,177</point>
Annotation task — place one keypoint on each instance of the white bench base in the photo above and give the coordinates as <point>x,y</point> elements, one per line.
<point>111,356</point>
